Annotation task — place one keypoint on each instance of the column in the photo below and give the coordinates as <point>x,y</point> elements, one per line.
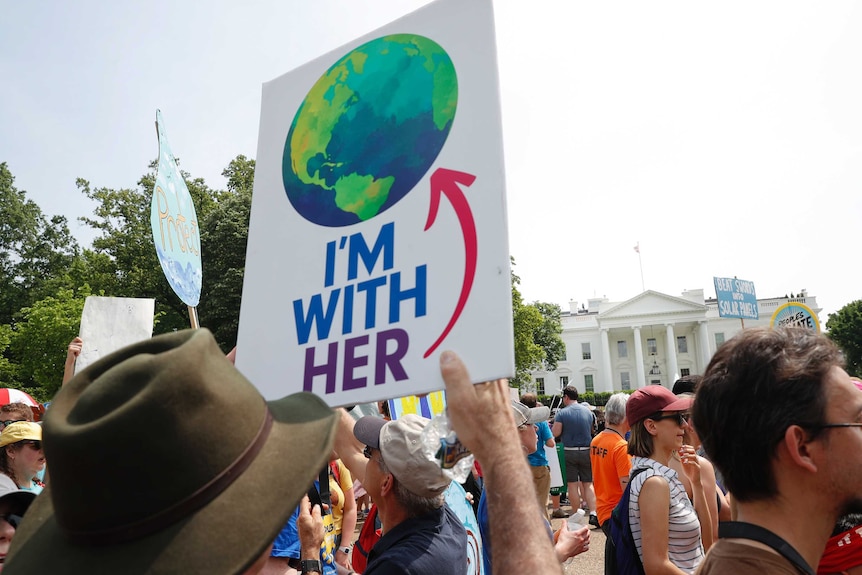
<point>639,358</point>
<point>606,362</point>
<point>672,368</point>
<point>703,344</point>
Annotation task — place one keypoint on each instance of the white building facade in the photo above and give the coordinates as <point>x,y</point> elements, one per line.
<point>653,338</point>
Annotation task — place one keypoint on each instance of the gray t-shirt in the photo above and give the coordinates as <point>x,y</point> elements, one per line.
<point>577,422</point>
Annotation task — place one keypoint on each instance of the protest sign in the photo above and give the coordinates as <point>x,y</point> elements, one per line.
<point>377,236</point>
<point>736,298</point>
<point>795,314</point>
<point>426,406</point>
<point>175,226</point>
<point>111,323</point>
<point>456,499</point>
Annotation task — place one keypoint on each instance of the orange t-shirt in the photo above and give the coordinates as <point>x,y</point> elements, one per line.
<point>610,461</point>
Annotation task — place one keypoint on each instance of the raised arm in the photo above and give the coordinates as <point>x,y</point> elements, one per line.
<point>72,353</point>
<point>518,532</point>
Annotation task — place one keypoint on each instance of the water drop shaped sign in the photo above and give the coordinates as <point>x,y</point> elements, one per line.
<point>175,225</point>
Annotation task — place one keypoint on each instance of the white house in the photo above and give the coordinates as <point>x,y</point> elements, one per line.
<point>651,338</point>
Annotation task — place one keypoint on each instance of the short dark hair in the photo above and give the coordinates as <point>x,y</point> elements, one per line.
<point>640,440</point>
<point>686,384</point>
<point>757,385</point>
<point>529,399</point>
<point>571,392</point>
<point>16,409</point>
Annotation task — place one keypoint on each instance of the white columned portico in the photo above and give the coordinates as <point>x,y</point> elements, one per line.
<point>639,357</point>
<point>608,376</point>
<point>672,368</point>
<point>703,344</point>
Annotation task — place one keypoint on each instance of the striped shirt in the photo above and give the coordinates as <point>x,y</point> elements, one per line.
<point>685,549</point>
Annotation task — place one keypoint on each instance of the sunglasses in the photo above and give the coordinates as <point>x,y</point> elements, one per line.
<point>680,417</point>
<point>12,519</point>
<point>369,455</point>
<point>11,421</point>
<point>37,444</point>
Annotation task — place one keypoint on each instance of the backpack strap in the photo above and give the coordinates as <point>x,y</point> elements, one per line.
<point>742,530</point>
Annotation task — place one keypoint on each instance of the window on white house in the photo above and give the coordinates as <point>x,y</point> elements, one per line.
<point>681,344</point>
<point>625,380</point>
<point>588,382</point>
<point>651,346</point>
<point>622,349</point>
<point>585,351</point>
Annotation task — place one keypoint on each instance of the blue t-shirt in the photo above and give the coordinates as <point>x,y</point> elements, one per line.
<point>286,544</point>
<point>577,423</point>
<point>538,458</point>
<point>431,544</point>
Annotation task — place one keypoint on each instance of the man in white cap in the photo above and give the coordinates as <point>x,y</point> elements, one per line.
<point>421,535</point>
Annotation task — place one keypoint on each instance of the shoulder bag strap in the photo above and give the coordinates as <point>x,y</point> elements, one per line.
<point>741,530</point>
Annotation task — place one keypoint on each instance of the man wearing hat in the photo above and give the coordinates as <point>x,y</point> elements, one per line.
<point>781,419</point>
<point>203,471</point>
<point>421,535</point>
<point>14,503</point>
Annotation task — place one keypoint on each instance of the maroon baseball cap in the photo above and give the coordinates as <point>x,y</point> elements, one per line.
<point>651,399</point>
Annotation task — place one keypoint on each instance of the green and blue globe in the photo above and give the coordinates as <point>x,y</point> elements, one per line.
<point>369,129</point>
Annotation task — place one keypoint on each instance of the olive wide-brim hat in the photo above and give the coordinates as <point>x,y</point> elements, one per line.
<point>165,459</point>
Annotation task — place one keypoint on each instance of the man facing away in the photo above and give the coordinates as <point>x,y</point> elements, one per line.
<point>611,465</point>
<point>781,419</point>
<point>574,424</point>
<point>421,535</point>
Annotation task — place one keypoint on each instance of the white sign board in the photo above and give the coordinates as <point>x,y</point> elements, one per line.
<point>112,323</point>
<point>378,224</point>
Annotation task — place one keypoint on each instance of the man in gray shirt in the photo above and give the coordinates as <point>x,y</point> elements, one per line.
<point>575,424</point>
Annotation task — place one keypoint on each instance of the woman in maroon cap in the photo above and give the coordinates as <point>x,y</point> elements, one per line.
<point>665,525</point>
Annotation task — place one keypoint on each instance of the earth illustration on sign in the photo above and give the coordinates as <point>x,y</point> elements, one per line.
<point>369,129</point>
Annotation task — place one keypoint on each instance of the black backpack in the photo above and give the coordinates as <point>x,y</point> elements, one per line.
<point>624,550</point>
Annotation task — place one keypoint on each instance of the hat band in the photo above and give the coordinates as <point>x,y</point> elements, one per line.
<point>183,508</point>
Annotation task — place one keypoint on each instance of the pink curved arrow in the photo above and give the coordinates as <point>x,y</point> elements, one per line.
<point>446,182</point>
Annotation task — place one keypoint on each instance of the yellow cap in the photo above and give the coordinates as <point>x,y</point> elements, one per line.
<point>19,431</point>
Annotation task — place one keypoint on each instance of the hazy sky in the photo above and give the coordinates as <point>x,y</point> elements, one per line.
<point>724,137</point>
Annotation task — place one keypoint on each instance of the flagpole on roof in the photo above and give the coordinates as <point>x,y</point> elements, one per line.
<point>640,261</point>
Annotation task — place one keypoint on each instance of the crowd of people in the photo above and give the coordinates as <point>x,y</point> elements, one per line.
<point>163,458</point>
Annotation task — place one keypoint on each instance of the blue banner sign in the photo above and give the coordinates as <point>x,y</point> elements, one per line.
<point>736,298</point>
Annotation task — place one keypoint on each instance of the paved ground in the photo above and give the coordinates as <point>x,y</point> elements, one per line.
<point>593,561</point>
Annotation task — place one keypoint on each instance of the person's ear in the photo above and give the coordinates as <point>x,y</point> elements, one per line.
<point>651,426</point>
<point>388,484</point>
<point>800,447</point>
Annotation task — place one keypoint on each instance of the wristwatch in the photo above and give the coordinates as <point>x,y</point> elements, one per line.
<point>310,566</point>
<point>345,550</point>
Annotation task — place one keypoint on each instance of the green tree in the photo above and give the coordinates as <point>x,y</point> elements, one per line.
<point>224,235</point>
<point>125,247</point>
<point>537,330</point>
<point>39,341</point>
<point>33,248</point>
<point>845,329</point>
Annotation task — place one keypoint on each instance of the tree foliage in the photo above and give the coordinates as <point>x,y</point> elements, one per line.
<point>33,248</point>
<point>45,277</point>
<point>537,330</point>
<point>845,329</point>
<point>224,233</point>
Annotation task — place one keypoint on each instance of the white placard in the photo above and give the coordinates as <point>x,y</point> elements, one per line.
<point>378,225</point>
<point>111,323</point>
<point>554,464</point>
